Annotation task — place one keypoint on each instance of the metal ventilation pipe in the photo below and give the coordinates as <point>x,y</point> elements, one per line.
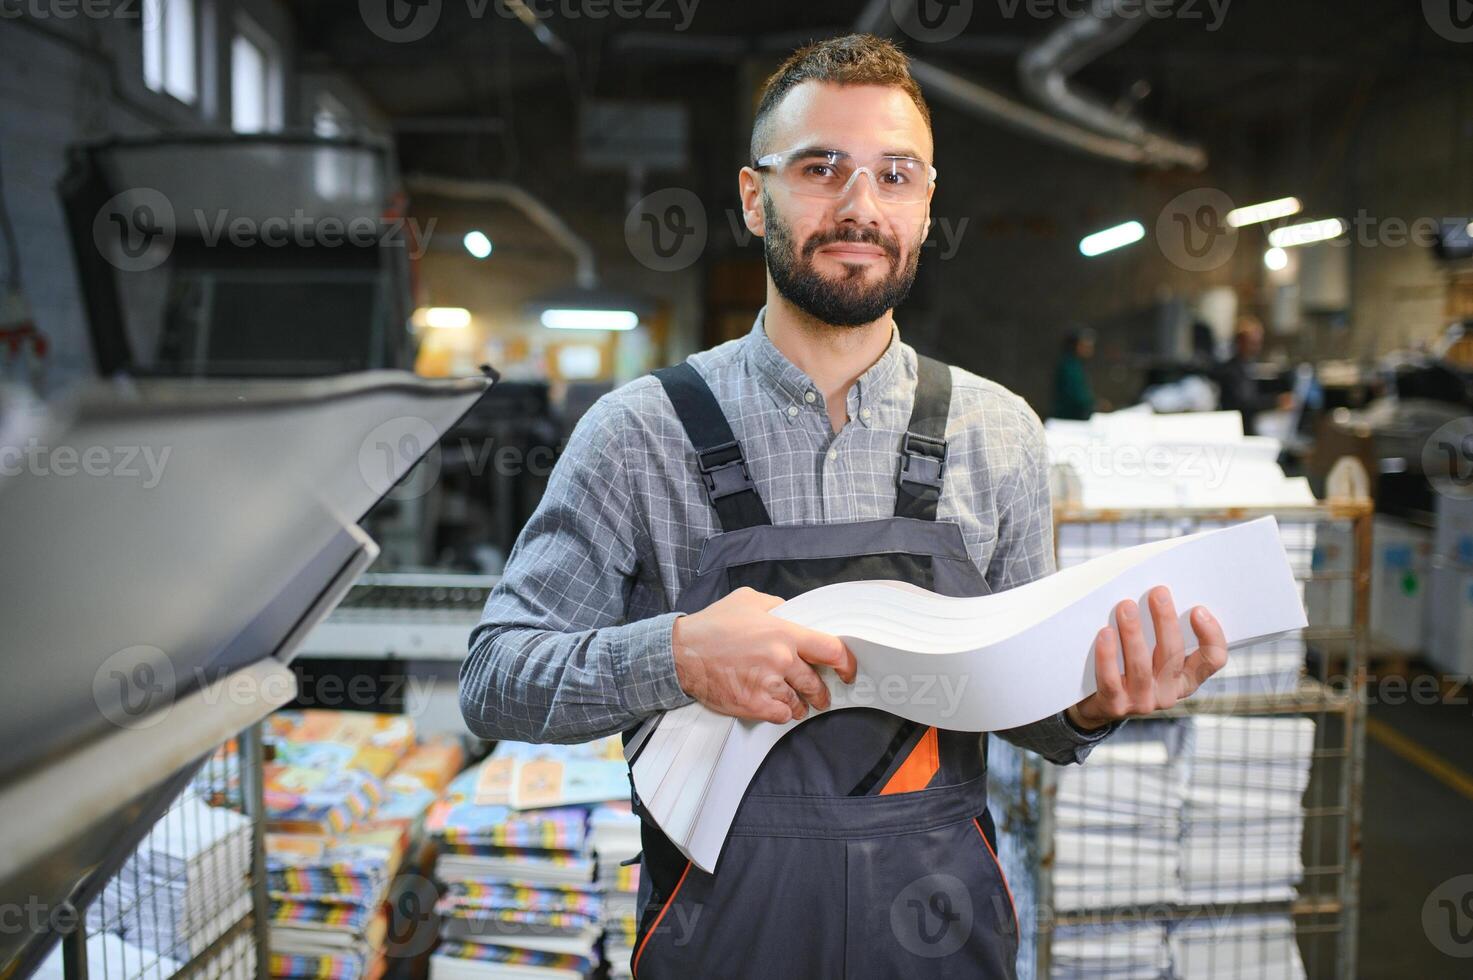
<point>1045,70</point>
<point>1099,132</point>
<point>970,96</point>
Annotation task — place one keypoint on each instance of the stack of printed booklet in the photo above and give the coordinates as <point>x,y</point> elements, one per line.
<point>529,843</point>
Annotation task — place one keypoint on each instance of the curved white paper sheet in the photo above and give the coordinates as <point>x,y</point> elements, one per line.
<point>968,664</point>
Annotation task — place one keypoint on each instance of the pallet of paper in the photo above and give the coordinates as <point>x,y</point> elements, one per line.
<point>970,664</point>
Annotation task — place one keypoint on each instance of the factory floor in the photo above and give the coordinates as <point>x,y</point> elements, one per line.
<point>1417,835</point>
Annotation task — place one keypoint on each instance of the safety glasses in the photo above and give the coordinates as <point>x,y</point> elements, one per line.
<point>827,173</point>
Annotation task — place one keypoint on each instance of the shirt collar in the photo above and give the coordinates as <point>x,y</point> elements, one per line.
<point>790,386</point>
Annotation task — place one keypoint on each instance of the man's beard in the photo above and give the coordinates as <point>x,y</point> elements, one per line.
<point>848,301</point>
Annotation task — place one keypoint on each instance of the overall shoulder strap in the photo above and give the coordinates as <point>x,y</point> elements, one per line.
<point>923,447</point>
<point>723,470</point>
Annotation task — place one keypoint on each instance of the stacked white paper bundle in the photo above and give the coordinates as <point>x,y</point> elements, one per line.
<point>1236,948</point>
<point>984,663</point>
<point>1273,667</point>
<point>1118,820</point>
<point>108,955</point>
<point>1080,541</point>
<point>614,830</point>
<point>185,885</point>
<point>1111,951</point>
<point>1244,814</point>
<point>1137,459</point>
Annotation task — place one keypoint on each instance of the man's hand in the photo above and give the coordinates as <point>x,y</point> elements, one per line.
<point>736,658</point>
<point>1152,681</point>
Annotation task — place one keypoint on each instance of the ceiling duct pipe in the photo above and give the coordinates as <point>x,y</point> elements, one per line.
<point>1124,142</point>
<point>1045,70</point>
<point>969,96</point>
<point>504,192</point>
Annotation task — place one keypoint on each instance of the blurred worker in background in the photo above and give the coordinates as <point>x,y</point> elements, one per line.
<point>1236,379</point>
<point>1073,397</point>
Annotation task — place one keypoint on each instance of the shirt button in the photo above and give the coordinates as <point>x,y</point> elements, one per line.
<point>809,397</point>
<point>833,455</point>
<point>792,411</point>
<point>864,414</point>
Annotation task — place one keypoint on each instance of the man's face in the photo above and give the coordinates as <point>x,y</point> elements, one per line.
<point>844,261</point>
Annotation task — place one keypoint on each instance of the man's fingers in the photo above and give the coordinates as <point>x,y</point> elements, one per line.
<point>778,690</point>
<point>1170,647</point>
<point>810,687</point>
<point>1139,679</point>
<point>1212,652</point>
<point>775,711</point>
<point>1108,682</point>
<point>826,650</point>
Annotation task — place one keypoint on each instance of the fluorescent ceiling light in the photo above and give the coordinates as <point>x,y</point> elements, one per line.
<point>1267,211</point>
<point>477,244</point>
<point>1276,259</point>
<point>567,319</point>
<point>1112,238</point>
<point>1307,233</point>
<point>443,317</point>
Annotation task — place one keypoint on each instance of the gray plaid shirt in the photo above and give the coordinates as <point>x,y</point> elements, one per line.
<point>574,642</point>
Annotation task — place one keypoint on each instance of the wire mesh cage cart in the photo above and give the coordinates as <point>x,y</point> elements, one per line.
<point>1220,838</point>
<point>191,899</point>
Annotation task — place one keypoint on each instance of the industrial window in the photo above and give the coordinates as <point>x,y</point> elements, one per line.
<point>170,48</point>
<point>255,80</point>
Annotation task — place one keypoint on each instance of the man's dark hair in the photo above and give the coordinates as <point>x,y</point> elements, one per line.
<point>855,59</point>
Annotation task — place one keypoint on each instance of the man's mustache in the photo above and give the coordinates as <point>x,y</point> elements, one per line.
<point>863,236</point>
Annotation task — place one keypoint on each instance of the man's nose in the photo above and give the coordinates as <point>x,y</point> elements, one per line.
<point>860,202</point>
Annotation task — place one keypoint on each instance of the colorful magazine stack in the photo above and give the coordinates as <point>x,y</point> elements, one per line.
<point>345,793</point>
<point>614,830</point>
<point>516,863</point>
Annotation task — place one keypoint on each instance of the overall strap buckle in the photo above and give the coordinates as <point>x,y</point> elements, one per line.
<point>923,460</point>
<point>923,448</point>
<point>724,470</point>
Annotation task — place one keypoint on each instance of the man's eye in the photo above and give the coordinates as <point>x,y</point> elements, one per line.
<point>895,177</point>
<point>819,170</point>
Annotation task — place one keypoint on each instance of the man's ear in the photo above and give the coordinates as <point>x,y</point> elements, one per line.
<point>749,186</point>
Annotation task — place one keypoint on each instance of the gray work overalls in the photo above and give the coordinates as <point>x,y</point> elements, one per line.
<point>863,847</point>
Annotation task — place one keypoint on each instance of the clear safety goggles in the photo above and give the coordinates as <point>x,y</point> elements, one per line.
<point>817,172</point>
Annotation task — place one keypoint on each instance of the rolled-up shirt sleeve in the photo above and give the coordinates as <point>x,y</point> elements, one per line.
<point>553,658</point>
<point>1024,552</point>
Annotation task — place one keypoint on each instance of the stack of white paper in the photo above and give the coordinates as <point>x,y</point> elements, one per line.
<point>1137,459</point>
<point>1273,667</point>
<point>1118,820</point>
<point>109,956</point>
<point>185,885</point>
<point>969,664</point>
<point>1236,948</point>
<point>1245,817</point>
<point>1111,951</point>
